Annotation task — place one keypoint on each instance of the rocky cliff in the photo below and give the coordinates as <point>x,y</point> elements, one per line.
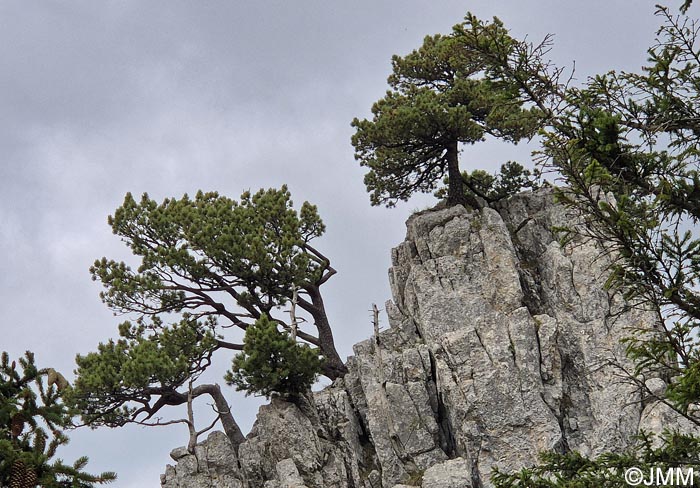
<point>501,344</point>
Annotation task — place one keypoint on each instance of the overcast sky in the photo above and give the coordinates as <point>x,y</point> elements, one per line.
<point>102,98</point>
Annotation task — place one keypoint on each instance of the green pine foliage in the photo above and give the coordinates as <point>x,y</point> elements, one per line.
<point>273,362</point>
<point>33,418</point>
<point>440,96</point>
<point>223,260</point>
<point>256,245</point>
<point>208,268</point>
<point>111,381</point>
<point>511,179</point>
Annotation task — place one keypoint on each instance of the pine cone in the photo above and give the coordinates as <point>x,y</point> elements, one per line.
<point>17,474</point>
<point>21,476</point>
<point>30,480</point>
<point>40,442</point>
<point>17,424</point>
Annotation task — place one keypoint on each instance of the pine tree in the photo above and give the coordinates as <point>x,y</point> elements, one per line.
<point>273,362</point>
<point>440,97</point>
<point>218,265</point>
<point>30,415</point>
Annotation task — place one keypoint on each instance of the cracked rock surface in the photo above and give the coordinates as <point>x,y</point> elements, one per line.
<point>501,344</point>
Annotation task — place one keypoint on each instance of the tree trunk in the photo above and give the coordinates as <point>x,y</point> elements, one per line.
<point>231,428</point>
<point>192,443</point>
<point>455,185</point>
<point>333,367</point>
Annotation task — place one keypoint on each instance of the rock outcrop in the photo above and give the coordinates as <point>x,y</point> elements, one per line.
<point>501,344</point>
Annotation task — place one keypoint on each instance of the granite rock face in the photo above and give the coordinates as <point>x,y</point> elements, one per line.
<point>501,344</point>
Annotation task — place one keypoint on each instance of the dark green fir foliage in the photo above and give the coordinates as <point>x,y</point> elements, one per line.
<point>670,451</point>
<point>33,418</point>
<point>273,362</point>
<point>628,145</point>
<point>440,96</point>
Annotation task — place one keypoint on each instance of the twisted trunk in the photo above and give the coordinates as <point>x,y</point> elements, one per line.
<point>333,366</point>
<point>231,428</point>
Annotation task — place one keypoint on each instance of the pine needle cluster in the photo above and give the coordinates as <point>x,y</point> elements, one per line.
<point>272,362</point>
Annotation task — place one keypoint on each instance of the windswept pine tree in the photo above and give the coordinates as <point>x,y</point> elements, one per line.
<point>208,266</point>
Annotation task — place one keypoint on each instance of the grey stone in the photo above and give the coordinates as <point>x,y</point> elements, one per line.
<point>288,474</point>
<point>178,453</point>
<point>374,479</point>
<point>455,473</point>
<point>213,463</point>
<point>657,417</point>
<point>656,387</point>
